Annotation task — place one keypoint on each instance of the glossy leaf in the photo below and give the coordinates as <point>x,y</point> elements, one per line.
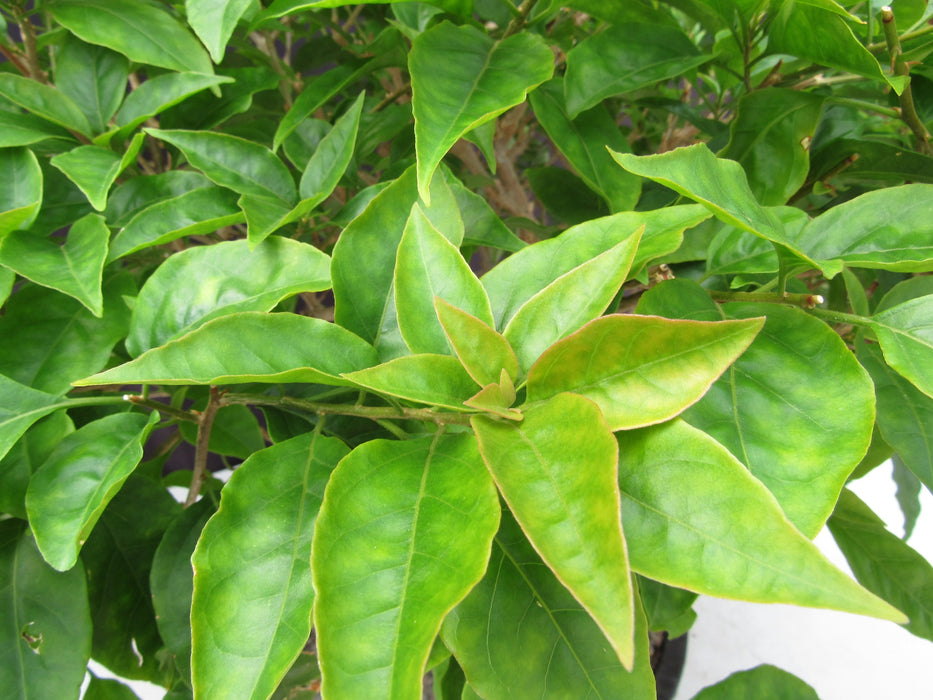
<point>640,370</point>
<point>481,224</point>
<point>452,97</point>
<point>429,266</point>
<point>886,229</point>
<point>20,190</point>
<point>94,78</point>
<point>520,634</point>
<point>733,252</point>
<point>94,169</point>
<point>75,268</point>
<point>560,485</point>
<point>219,280</point>
<point>142,32</point>
<point>483,352</point>
<point>738,545</point>
<point>797,374</point>
<point>43,101</point>
<point>402,537</point>
<point>626,58</point>
<point>139,193</point>
<point>200,211</point>
<point>68,493</point>
<point>718,184</point>
<point>20,407</point>
<point>118,558</point>
<point>765,681</point>
<point>312,98</point>
<point>17,129</point>
<point>25,457</point>
<point>569,301</point>
<point>884,563</point>
<point>770,137</point>
<point>243,166</point>
<point>251,612</point>
<point>160,92</point>
<point>905,332</point>
<point>44,621</point>
<point>511,283</point>
<point>583,139</point>
<point>439,380</point>
<point>214,21</point>
<point>69,341</point>
<point>248,347</point>
<point>331,157</point>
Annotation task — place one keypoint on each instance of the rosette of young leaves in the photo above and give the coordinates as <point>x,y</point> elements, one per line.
<point>403,534</point>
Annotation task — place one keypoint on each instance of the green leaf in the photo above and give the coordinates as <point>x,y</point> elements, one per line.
<point>17,129</point>
<point>765,682</point>
<point>143,32</point>
<point>625,58</point>
<point>520,634</point>
<point>332,157</point>
<point>886,229</point>
<point>244,166</point>
<point>718,184</point>
<point>640,370</point>
<point>251,613</point>
<point>667,608</point>
<point>557,472</point>
<point>481,224</point>
<point>402,537</point>
<point>20,190</point>
<point>68,342</point>
<point>20,407</point>
<point>94,169</point>
<point>883,563</point>
<point>75,268</point>
<point>25,457</point>
<point>733,252</point>
<point>430,267</point>
<point>483,352</point>
<point>172,581</point>
<point>159,93</point>
<point>235,432</point>
<point>905,332</point>
<point>63,509</point>
<point>44,621</point>
<point>908,494</point>
<point>569,301</point>
<point>439,380</point>
<point>43,101</point>
<point>770,138</point>
<point>139,193</point>
<point>194,213</point>
<point>738,545</point>
<point>248,347</point>
<point>452,97</point>
<point>312,98</point>
<point>905,414</point>
<point>94,78</point>
<point>214,21</point>
<point>118,558</point>
<point>108,689</point>
<point>583,139</point>
<point>219,280</point>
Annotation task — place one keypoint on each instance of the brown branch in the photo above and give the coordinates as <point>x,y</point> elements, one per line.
<point>205,423</point>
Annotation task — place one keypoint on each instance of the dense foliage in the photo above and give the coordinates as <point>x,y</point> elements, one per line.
<point>521,325</point>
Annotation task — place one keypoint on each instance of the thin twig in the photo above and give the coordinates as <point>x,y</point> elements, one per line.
<point>806,301</point>
<point>900,67</point>
<point>28,32</point>
<point>205,423</point>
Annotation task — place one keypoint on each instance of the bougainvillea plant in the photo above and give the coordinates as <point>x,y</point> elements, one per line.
<point>518,326</point>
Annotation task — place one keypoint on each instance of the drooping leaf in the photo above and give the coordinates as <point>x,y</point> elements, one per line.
<point>94,169</point>
<point>583,139</point>
<point>20,190</point>
<point>739,544</point>
<point>159,93</point>
<point>403,535</point>
<point>45,625</point>
<point>557,472</point>
<point>214,21</point>
<point>520,634</point>
<point>94,78</point>
<point>142,32</point>
<point>625,58</point>
<point>74,268</point>
<point>452,97</point>
<point>251,612</point>
<point>483,352</point>
<point>884,563</point>
<point>429,266</point>
<point>569,301</point>
<point>248,346</point>
<point>797,374</point>
<point>205,282</point>
<point>197,212</point>
<point>25,457</point>
<point>765,681</point>
<point>640,370</point>
<point>63,508</point>
<point>439,380</point>
<point>905,332</point>
<point>907,494</point>
<point>44,101</point>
